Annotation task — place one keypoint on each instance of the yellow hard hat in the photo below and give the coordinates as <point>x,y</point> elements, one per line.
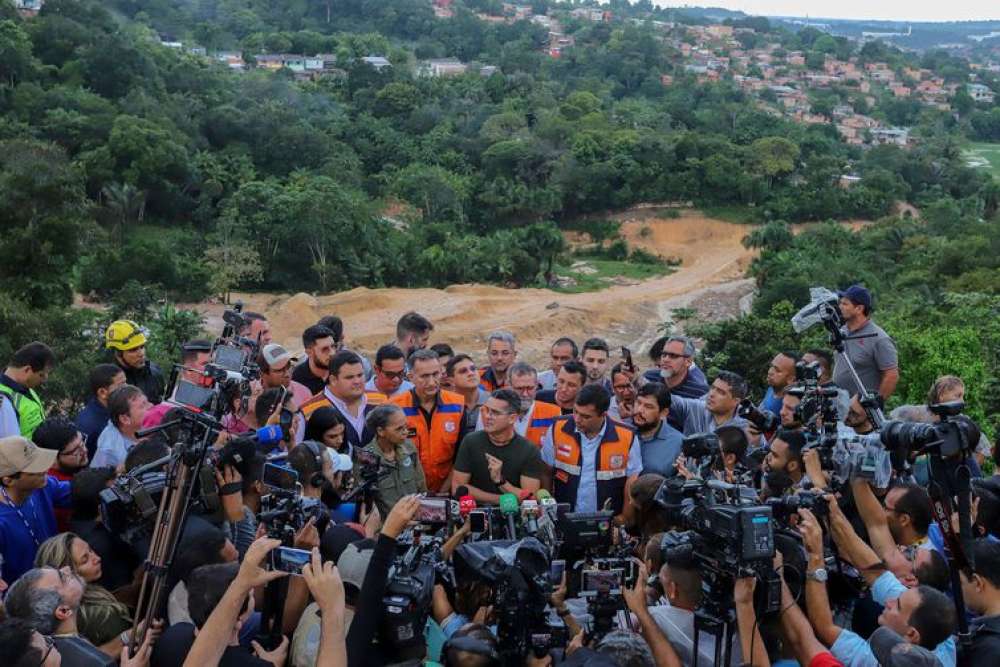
<point>124,335</point>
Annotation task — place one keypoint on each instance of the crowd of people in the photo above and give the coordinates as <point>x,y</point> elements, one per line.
<point>594,432</point>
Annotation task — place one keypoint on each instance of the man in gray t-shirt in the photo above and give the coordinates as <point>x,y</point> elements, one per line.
<point>872,351</point>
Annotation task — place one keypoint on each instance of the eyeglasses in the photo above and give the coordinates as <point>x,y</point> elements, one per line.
<point>49,645</point>
<point>672,355</point>
<point>394,375</point>
<point>82,447</point>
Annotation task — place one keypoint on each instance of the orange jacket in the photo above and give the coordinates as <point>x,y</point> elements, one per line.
<point>436,438</point>
<point>488,380</point>
<point>351,437</point>
<point>611,466</point>
<point>543,415</point>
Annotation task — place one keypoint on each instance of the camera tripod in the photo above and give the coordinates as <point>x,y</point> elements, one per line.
<point>723,632</point>
<point>182,473</point>
<point>833,323</point>
<point>951,479</point>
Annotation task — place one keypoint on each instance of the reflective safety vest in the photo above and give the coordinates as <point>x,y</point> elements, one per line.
<point>29,409</point>
<point>437,442</point>
<point>611,467</point>
<point>376,398</point>
<point>543,415</point>
<point>488,380</point>
<point>351,437</point>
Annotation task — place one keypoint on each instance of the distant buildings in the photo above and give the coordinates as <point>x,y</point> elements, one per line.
<point>592,14</point>
<point>980,93</point>
<point>28,8</point>
<point>442,67</point>
<point>378,62</point>
<point>897,136</point>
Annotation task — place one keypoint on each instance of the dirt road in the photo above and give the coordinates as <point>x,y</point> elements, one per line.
<point>709,279</point>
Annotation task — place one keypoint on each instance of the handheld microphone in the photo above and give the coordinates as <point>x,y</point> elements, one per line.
<point>549,505</point>
<point>529,516</point>
<point>241,449</point>
<point>466,504</point>
<point>548,515</point>
<point>268,435</point>
<point>508,507</point>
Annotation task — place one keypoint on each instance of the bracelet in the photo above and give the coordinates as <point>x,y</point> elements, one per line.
<point>231,488</point>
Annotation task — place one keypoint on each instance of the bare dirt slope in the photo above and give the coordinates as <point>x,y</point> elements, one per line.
<point>709,279</point>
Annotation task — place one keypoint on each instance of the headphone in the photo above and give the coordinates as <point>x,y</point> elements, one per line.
<point>317,479</point>
<point>470,645</point>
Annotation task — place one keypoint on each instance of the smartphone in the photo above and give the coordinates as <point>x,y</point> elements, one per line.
<point>593,581</point>
<point>279,477</point>
<point>556,571</point>
<point>287,559</point>
<point>627,357</point>
<point>433,510</point>
<point>477,521</point>
<point>196,396</point>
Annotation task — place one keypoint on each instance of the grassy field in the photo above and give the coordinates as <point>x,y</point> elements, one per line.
<point>986,156</point>
<point>743,215</point>
<point>597,274</point>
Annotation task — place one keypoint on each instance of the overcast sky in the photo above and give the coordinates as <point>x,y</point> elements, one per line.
<point>904,10</point>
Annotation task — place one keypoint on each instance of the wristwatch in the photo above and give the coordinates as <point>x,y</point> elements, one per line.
<point>819,574</point>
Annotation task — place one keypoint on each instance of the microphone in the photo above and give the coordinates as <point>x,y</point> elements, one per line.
<point>268,435</point>
<point>241,449</point>
<point>508,507</point>
<point>458,511</point>
<point>466,504</point>
<point>529,515</point>
<point>549,515</point>
<point>549,505</point>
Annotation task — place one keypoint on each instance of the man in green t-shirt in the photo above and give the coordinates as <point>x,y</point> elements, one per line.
<point>497,460</point>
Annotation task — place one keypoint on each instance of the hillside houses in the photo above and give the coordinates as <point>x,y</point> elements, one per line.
<point>980,93</point>
<point>28,8</point>
<point>592,14</point>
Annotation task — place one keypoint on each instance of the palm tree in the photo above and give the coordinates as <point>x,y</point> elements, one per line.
<point>127,206</point>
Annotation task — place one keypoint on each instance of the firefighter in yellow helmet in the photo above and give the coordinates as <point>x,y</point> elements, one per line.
<point>127,342</point>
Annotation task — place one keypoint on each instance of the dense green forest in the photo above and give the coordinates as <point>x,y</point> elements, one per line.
<point>133,171</point>
<point>137,161</point>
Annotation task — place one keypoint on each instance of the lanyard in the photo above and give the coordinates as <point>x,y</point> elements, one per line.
<point>17,510</point>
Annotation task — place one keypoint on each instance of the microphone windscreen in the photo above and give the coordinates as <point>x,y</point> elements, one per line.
<point>269,435</point>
